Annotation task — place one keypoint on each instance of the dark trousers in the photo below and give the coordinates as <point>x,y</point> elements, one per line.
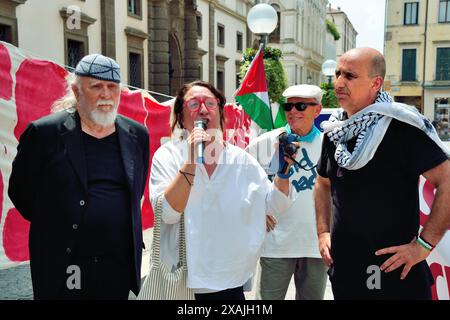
<point>391,288</point>
<point>102,278</point>
<point>228,294</point>
<point>351,280</point>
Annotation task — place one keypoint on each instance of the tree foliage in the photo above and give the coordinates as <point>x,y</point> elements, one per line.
<point>329,99</point>
<point>275,74</point>
<point>331,28</point>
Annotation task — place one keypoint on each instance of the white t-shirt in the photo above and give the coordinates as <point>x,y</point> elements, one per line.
<point>224,216</point>
<point>295,234</point>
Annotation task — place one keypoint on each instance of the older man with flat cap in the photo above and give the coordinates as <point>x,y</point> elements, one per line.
<point>291,247</point>
<point>78,177</point>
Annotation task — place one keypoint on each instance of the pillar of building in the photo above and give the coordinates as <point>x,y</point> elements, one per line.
<point>158,46</point>
<point>212,43</point>
<point>192,56</point>
<point>108,16</point>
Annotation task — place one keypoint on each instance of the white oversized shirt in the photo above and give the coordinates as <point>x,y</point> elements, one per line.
<point>224,216</point>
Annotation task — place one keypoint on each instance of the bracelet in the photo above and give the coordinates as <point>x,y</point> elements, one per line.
<point>184,175</point>
<point>424,243</point>
<point>190,174</point>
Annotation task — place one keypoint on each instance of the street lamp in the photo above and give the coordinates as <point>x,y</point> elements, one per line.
<point>329,69</point>
<point>262,19</point>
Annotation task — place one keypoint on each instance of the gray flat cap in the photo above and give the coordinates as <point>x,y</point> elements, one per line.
<point>99,67</point>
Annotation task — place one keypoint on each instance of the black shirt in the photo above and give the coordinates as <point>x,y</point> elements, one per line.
<point>377,206</point>
<point>106,228</point>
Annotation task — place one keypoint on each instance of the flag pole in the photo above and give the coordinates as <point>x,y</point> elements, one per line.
<point>262,46</point>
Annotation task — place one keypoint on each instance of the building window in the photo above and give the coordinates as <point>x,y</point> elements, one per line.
<point>444,11</point>
<point>274,37</point>
<point>199,25</point>
<point>76,40</point>
<point>8,21</point>
<point>221,81</point>
<point>135,69</point>
<point>220,35</point>
<point>239,41</point>
<point>442,118</point>
<point>443,64</point>
<point>5,33</point>
<point>134,8</point>
<point>220,73</point>
<point>409,65</point>
<point>75,52</point>
<point>135,53</point>
<point>411,13</point>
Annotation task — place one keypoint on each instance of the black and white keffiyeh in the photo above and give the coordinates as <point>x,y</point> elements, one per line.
<point>369,127</point>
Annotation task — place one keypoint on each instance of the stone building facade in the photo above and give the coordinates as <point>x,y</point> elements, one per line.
<point>159,44</point>
<point>173,52</point>
<point>345,27</point>
<point>417,52</point>
<point>300,35</point>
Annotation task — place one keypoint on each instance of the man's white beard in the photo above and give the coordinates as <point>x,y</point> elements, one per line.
<point>102,118</point>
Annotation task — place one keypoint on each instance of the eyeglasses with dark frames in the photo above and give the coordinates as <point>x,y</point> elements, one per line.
<point>300,106</point>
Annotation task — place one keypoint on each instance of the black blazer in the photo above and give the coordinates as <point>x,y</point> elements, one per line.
<point>48,186</point>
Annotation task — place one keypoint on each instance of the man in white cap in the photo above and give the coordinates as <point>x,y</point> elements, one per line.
<point>291,247</point>
<point>78,177</point>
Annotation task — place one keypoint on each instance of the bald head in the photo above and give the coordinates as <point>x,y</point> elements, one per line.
<point>359,78</point>
<point>372,57</point>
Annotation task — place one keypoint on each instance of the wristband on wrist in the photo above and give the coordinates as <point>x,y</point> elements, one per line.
<point>424,243</point>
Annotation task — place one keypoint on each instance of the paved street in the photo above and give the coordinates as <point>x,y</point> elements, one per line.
<point>15,283</point>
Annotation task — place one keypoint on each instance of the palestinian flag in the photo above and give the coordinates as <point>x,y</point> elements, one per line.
<point>252,94</point>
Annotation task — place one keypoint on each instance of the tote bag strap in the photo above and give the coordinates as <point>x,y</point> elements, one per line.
<point>156,245</point>
<point>182,244</point>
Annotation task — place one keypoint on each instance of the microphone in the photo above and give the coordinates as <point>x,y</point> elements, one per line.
<point>200,147</point>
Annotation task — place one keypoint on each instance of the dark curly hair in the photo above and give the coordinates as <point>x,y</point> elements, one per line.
<point>179,101</point>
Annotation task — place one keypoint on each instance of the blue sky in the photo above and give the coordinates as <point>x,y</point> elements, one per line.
<point>367,18</point>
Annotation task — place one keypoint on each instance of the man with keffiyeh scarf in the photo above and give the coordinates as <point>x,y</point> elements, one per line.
<point>366,193</point>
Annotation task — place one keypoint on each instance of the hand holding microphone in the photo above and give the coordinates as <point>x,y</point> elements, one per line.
<point>200,146</point>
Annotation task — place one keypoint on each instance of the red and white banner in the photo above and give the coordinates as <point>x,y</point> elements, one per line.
<point>439,259</point>
<point>28,88</point>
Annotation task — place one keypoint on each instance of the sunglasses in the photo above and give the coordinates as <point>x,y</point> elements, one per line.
<point>195,103</point>
<point>300,106</point>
